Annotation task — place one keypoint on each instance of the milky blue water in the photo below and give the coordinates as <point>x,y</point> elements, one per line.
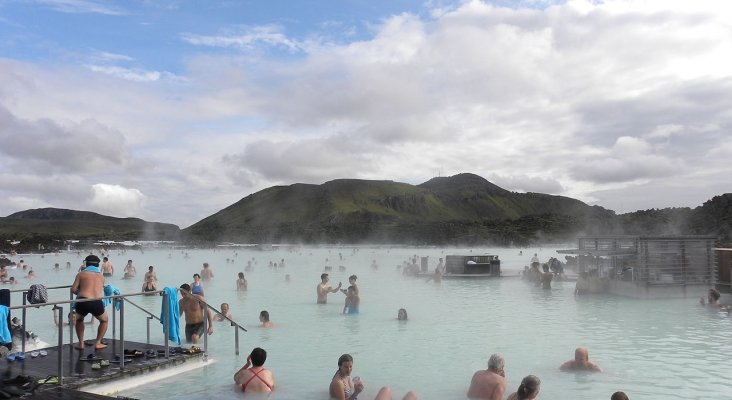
<point>651,349</point>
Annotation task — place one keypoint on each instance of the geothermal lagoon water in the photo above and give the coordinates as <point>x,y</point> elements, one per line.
<point>651,349</point>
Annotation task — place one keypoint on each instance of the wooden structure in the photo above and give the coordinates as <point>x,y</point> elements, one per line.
<point>647,266</point>
<point>724,269</point>
<point>483,266</point>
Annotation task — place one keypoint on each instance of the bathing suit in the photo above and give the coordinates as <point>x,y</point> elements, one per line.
<point>107,274</point>
<point>197,288</point>
<point>194,328</point>
<point>347,391</point>
<point>149,289</point>
<point>94,307</point>
<point>255,375</point>
<point>351,310</point>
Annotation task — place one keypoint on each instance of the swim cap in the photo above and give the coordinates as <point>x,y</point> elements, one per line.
<point>91,259</point>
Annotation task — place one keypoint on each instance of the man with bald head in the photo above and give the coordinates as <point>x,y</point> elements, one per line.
<point>489,384</point>
<point>581,362</point>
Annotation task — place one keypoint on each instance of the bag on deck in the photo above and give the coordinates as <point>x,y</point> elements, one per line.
<point>37,294</point>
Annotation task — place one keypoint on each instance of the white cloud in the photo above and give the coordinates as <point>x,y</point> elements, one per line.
<point>82,7</point>
<point>246,38</point>
<point>116,200</point>
<point>604,101</point>
<point>131,74</point>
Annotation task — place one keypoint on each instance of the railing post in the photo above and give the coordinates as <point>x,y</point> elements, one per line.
<point>121,327</point>
<point>205,329</point>
<point>166,322</point>
<point>114,321</point>
<point>71,327</point>
<point>149,318</point>
<point>60,373</point>
<point>22,346</point>
<point>236,339</point>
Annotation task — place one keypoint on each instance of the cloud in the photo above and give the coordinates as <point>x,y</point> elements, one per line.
<point>130,74</point>
<point>312,160</point>
<point>524,183</point>
<point>48,146</point>
<point>81,7</point>
<point>244,39</point>
<point>604,101</point>
<point>116,200</point>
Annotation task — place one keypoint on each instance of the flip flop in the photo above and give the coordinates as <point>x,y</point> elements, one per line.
<point>118,359</point>
<point>51,380</point>
<point>151,353</point>
<point>133,353</point>
<point>104,363</point>
<point>96,366</point>
<point>34,354</point>
<point>43,353</point>
<point>11,357</point>
<point>91,357</point>
<point>20,356</point>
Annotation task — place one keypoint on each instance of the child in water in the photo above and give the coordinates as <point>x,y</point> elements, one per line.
<point>352,301</point>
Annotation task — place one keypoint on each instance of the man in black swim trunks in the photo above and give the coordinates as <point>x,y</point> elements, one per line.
<point>194,310</point>
<point>89,284</point>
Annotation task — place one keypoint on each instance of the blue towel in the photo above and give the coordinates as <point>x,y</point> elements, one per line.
<point>110,290</point>
<point>174,320</point>
<point>93,268</point>
<point>4,329</point>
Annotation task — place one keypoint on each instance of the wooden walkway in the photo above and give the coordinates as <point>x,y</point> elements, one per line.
<point>78,373</point>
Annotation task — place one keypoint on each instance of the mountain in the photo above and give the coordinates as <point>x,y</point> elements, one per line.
<point>464,208</point>
<point>47,226</point>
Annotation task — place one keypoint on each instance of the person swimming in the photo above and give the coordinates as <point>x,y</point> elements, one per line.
<point>253,377</point>
<point>527,390</point>
<point>581,362</point>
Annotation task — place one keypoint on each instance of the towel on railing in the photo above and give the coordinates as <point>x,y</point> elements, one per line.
<point>5,301</point>
<point>4,328</point>
<point>110,290</point>
<point>173,317</point>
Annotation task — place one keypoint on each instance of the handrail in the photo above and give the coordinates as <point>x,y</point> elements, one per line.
<point>205,322</point>
<point>233,323</point>
<point>53,303</point>
<point>150,315</point>
<point>142,309</point>
<point>52,287</point>
<point>58,305</point>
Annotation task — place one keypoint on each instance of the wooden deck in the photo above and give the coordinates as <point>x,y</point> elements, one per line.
<point>78,374</point>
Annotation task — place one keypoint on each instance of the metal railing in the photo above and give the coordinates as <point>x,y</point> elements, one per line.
<point>121,300</point>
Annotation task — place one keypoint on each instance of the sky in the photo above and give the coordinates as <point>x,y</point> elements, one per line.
<point>172,110</point>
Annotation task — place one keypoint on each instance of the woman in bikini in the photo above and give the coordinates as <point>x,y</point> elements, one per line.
<point>150,286</point>
<point>253,377</point>
<point>342,388</point>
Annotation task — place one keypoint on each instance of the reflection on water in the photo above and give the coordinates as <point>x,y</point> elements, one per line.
<point>651,349</point>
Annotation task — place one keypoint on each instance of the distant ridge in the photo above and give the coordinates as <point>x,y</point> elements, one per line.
<point>48,226</point>
<point>464,209</point>
<point>456,209</point>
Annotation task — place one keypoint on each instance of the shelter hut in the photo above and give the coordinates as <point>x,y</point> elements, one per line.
<point>472,266</point>
<point>724,269</point>
<point>647,266</point>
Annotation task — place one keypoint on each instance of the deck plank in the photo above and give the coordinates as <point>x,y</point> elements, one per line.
<point>78,372</point>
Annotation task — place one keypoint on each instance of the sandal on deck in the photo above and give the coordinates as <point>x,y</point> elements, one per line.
<point>90,357</point>
<point>133,353</point>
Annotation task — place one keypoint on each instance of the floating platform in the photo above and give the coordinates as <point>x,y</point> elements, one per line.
<point>80,380</point>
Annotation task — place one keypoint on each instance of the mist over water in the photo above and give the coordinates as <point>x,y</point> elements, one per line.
<point>651,349</point>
